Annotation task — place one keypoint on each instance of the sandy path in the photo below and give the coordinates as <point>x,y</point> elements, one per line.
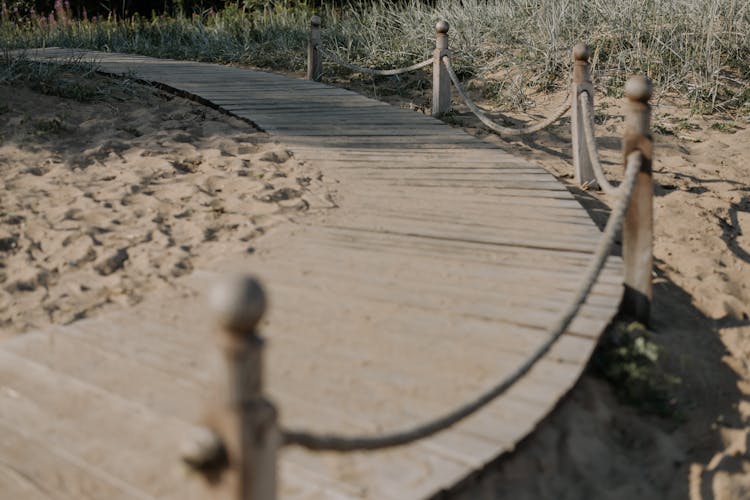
<point>104,202</point>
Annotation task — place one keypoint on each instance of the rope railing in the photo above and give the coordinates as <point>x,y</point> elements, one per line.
<point>316,49</point>
<point>499,129</point>
<point>587,165</point>
<point>330,442</point>
<point>590,139</point>
<point>237,447</point>
<point>443,75</point>
<point>374,72</point>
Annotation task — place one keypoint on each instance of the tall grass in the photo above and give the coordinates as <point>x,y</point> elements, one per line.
<point>71,79</point>
<point>272,38</point>
<point>699,48</point>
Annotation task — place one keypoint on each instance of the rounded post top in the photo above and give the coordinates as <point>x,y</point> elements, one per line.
<point>203,450</point>
<point>638,88</point>
<point>442,27</point>
<point>581,52</point>
<point>315,21</point>
<point>239,303</point>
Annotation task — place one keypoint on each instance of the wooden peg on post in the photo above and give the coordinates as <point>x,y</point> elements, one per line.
<point>584,172</point>
<point>441,84</point>
<point>314,60</point>
<point>236,452</point>
<point>637,231</point>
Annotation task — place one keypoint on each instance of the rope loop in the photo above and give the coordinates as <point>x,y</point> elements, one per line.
<point>331,442</point>
<point>374,72</point>
<point>499,129</point>
<point>588,130</point>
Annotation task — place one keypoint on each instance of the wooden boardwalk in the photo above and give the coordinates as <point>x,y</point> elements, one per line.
<point>437,275</point>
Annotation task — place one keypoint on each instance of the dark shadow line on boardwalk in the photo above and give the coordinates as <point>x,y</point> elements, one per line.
<point>464,240</point>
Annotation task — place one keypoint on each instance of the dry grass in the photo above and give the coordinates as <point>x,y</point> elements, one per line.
<point>698,48</point>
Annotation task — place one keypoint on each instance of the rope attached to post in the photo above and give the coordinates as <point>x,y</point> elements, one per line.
<point>330,442</point>
<point>374,72</point>
<point>499,129</point>
<point>588,130</point>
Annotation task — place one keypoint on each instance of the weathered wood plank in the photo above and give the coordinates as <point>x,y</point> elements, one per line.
<point>63,412</point>
<point>36,471</point>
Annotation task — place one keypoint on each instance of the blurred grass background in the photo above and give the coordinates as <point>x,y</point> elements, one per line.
<point>695,48</point>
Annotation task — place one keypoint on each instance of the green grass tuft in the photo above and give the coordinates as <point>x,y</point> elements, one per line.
<point>629,360</point>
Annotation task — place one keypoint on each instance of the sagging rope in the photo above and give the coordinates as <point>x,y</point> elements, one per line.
<point>374,72</point>
<point>331,442</point>
<point>499,129</point>
<point>588,130</point>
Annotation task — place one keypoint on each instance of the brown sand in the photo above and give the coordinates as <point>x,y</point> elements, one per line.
<point>105,202</point>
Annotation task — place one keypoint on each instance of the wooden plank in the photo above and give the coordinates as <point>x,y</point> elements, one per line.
<point>39,472</point>
<point>362,132</point>
<point>123,368</point>
<point>478,214</point>
<point>520,198</point>
<point>105,434</point>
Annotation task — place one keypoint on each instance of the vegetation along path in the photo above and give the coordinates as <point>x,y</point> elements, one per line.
<point>438,272</point>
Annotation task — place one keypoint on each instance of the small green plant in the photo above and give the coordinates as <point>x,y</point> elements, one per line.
<point>69,79</point>
<point>662,129</point>
<point>75,88</point>
<point>629,359</point>
<point>685,124</point>
<point>725,127</point>
<point>54,125</point>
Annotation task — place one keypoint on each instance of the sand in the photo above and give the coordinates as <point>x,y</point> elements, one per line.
<point>106,202</point>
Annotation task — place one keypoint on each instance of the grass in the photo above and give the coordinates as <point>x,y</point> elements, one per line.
<point>628,358</point>
<point>725,127</point>
<point>54,125</point>
<point>71,79</point>
<point>698,48</point>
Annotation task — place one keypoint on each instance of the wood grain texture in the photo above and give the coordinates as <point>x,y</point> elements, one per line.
<point>439,272</point>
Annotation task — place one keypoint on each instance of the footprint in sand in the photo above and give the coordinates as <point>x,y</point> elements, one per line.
<point>277,156</point>
<point>138,197</point>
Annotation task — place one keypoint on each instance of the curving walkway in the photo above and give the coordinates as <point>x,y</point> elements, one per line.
<point>438,273</point>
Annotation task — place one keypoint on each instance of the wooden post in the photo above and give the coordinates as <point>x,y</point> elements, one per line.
<point>441,84</point>
<point>314,61</point>
<point>637,232</point>
<point>236,452</point>
<point>584,172</point>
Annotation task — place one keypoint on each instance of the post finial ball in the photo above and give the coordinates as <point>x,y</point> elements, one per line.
<point>442,27</point>
<point>315,21</point>
<point>239,303</point>
<point>638,88</point>
<point>581,52</point>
